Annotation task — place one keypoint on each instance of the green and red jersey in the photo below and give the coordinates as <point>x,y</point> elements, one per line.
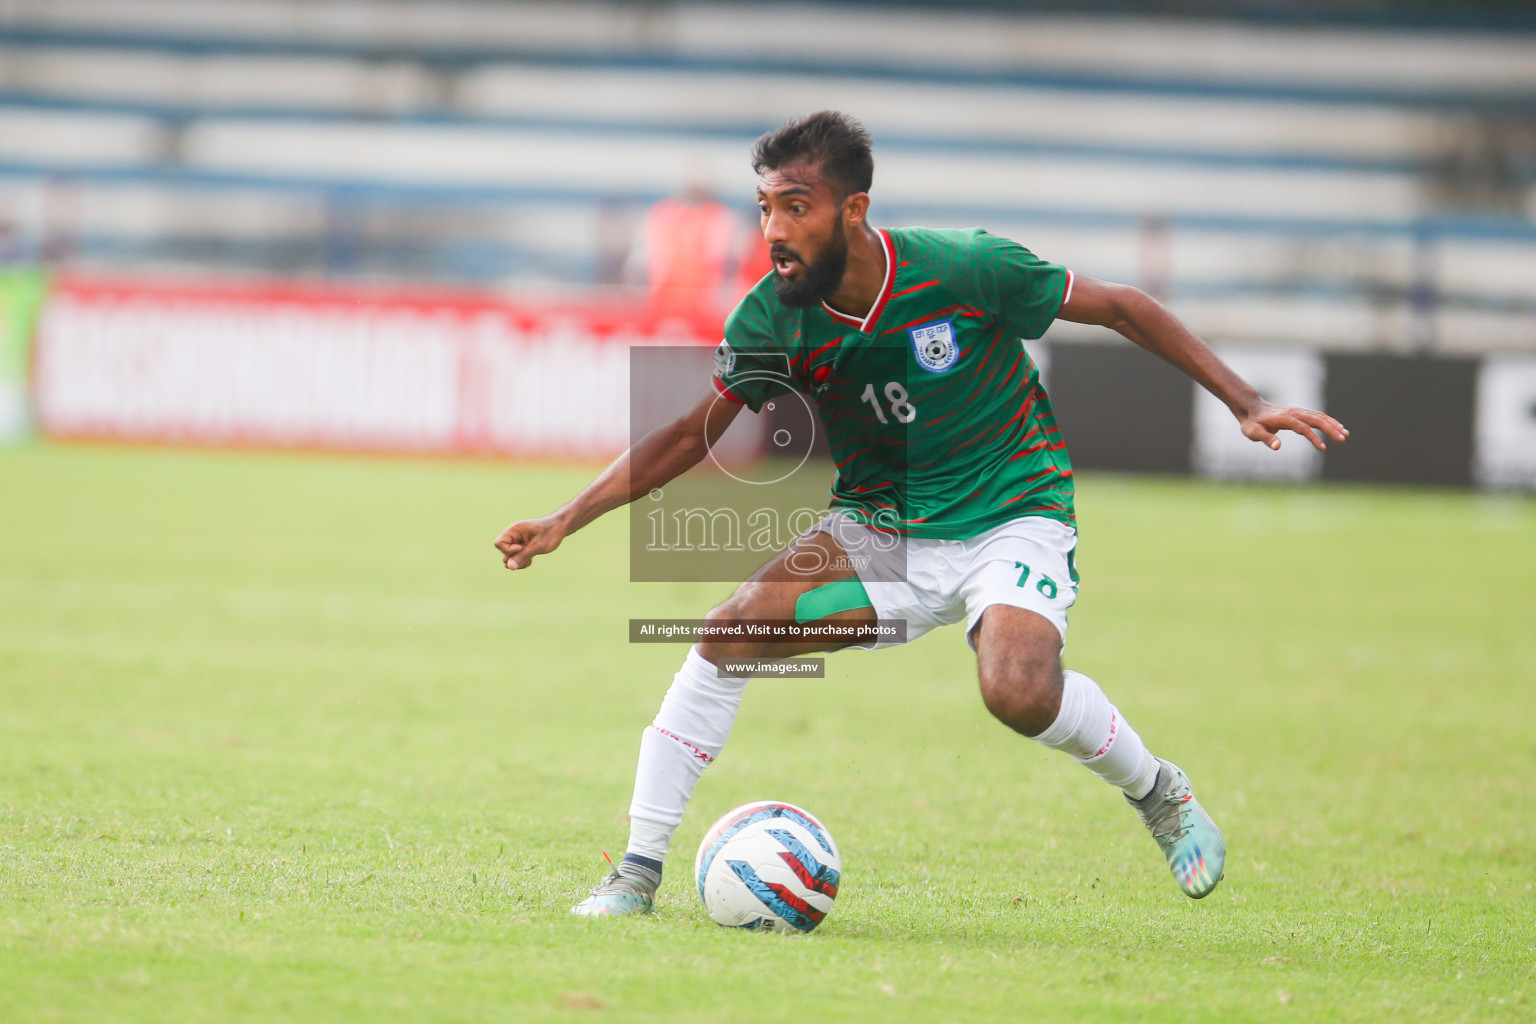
<point>932,408</point>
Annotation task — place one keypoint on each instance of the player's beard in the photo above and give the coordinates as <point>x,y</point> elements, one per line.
<point>818,278</point>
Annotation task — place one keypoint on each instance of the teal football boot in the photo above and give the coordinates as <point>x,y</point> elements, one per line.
<point>1189,839</point>
<point>616,896</point>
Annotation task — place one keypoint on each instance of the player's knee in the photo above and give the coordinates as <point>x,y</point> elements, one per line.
<point>1024,694</point>
<point>733,609</point>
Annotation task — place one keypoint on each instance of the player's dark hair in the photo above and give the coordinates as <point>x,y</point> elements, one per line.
<point>836,143</point>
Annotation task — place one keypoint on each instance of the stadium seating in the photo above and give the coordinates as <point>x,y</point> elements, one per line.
<point>1279,185</point>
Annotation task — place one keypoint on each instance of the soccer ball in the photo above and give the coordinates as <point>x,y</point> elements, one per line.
<point>768,866</point>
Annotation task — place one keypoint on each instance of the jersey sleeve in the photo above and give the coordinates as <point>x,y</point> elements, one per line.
<point>751,364</point>
<point>1023,290</point>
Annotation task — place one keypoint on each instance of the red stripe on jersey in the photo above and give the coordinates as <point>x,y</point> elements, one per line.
<point>1027,451</point>
<point>1011,371</point>
<point>916,287</point>
<point>923,319</point>
<point>1042,508</point>
<point>968,443</point>
<point>819,351</point>
<point>850,458</point>
<point>885,290</point>
<point>1024,410</point>
<point>941,419</point>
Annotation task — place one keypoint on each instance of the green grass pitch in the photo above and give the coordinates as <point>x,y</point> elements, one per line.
<point>281,740</point>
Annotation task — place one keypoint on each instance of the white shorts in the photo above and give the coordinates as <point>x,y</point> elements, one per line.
<point>1025,563</point>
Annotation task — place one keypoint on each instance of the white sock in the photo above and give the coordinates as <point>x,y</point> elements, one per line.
<point>649,838</point>
<point>687,734</point>
<point>1092,731</point>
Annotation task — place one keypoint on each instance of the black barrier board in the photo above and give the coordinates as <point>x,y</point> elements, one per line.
<point>1410,419</point>
<point>1122,408</point>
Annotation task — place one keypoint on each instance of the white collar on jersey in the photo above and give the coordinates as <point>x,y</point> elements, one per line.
<point>885,290</point>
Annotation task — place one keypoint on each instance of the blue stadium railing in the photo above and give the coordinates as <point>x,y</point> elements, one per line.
<point>460,58</point>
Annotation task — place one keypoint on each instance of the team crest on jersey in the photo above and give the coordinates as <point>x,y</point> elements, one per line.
<point>725,359</point>
<point>934,345</point>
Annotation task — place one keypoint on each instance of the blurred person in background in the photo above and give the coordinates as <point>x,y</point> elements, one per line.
<point>691,255</point>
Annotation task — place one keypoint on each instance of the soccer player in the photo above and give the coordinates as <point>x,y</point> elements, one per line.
<point>910,342</point>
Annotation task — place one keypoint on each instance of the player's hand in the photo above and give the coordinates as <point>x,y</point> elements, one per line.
<point>1266,420</point>
<point>522,541</point>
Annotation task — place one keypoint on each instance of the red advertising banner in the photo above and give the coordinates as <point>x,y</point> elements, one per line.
<point>347,369</point>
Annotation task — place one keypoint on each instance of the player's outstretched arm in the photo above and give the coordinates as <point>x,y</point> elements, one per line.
<point>652,461</point>
<point>1145,321</point>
